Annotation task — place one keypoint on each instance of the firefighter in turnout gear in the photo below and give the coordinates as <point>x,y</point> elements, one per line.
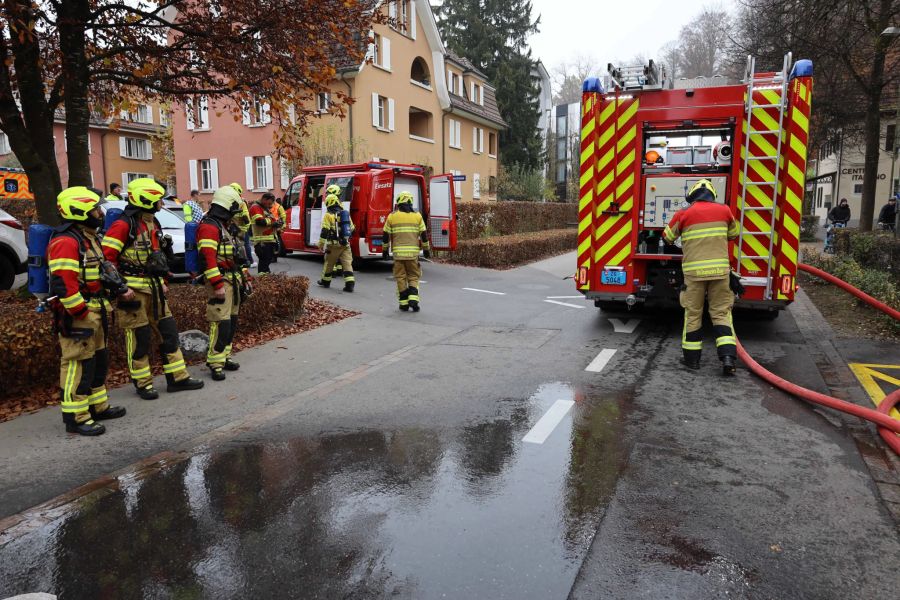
<point>335,189</point>
<point>82,282</point>
<point>225,271</point>
<point>705,229</point>
<point>263,230</point>
<point>134,244</point>
<point>336,244</point>
<point>404,232</point>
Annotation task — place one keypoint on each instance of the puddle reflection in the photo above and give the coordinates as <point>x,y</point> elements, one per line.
<point>417,513</point>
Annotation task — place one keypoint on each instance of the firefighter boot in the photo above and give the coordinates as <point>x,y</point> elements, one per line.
<point>218,373</point>
<point>323,283</point>
<point>728,365</point>
<point>414,299</point>
<point>88,427</point>
<point>349,285</point>
<point>147,392</point>
<point>231,365</point>
<point>188,383</point>
<point>111,412</point>
<point>404,300</point>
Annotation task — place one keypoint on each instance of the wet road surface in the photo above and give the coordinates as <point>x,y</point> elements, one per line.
<point>512,449</point>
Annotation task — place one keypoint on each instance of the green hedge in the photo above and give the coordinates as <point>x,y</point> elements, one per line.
<point>486,219</point>
<point>871,249</point>
<point>502,252</point>
<point>878,283</point>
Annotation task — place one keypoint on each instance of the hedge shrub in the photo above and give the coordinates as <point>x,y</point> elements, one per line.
<point>485,219</point>
<point>871,249</point>
<point>31,353</point>
<point>877,283</point>
<point>507,251</point>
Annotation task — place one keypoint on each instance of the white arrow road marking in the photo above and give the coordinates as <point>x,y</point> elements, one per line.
<point>545,426</point>
<point>564,304</point>
<point>600,362</point>
<point>485,291</point>
<point>565,297</point>
<point>627,326</point>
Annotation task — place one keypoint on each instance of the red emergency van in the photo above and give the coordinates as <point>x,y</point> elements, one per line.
<point>368,191</point>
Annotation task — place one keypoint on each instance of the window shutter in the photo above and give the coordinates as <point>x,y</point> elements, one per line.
<point>375,122</point>
<point>192,173</point>
<point>270,174</point>
<point>245,112</point>
<point>123,148</point>
<point>248,170</point>
<point>412,19</point>
<point>214,173</point>
<point>481,95</point>
<point>476,185</point>
<point>391,114</point>
<point>265,117</point>
<point>292,114</point>
<point>150,114</point>
<point>189,114</point>
<point>285,175</point>
<point>480,139</point>
<point>149,149</point>
<point>392,10</point>
<point>450,87</point>
<point>472,97</point>
<point>386,53</point>
<point>204,112</point>
<point>475,139</point>
<point>124,180</point>
<point>459,134</point>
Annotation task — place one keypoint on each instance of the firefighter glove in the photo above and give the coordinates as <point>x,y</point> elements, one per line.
<point>734,282</point>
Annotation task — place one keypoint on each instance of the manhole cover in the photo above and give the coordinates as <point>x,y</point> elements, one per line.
<point>502,337</point>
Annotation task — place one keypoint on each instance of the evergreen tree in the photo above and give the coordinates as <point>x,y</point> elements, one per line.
<point>493,35</point>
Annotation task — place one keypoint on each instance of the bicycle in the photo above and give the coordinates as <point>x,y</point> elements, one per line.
<point>829,235</point>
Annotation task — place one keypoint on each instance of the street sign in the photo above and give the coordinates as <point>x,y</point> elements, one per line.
<point>869,377</point>
<point>459,178</point>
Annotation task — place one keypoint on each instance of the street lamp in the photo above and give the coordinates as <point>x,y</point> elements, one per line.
<point>892,32</point>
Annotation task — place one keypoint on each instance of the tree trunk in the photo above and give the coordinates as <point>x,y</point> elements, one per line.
<point>73,16</point>
<point>28,122</point>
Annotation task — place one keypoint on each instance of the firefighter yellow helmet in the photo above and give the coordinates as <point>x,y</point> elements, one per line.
<point>228,198</point>
<point>237,187</point>
<point>334,189</point>
<point>75,203</point>
<point>405,198</point>
<point>702,190</point>
<point>145,193</point>
<point>332,200</point>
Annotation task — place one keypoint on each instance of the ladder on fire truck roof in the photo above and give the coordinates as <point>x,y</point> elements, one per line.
<point>639,77</point>
<point>757,82</point>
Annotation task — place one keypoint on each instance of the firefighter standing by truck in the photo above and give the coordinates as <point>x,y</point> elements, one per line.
<point>82,312</point>
<point>134,244</point>
<point>224,268</point>
<point>335,241</point>
<point>705,229</point>
<point>263,226</point>
<point>404,232</point>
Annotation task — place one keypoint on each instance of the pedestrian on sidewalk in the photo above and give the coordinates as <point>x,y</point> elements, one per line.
<point>404,232</point>
<point>887,217</point>
<point>263,227</point>
<point>133,245</point>
<point>705,228</point>
<point>335,241</point>
<point>81,312</point>
<point>227,279</point>
<point>840,214</point>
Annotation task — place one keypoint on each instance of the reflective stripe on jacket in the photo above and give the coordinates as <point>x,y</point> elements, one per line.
<point>705,229</point>
<point>404,230</point>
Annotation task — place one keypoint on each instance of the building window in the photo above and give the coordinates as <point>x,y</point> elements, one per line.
<point>404,15</point>
<point>476,186</point>
<point>382,113</point>
<point>163,117</point>
<point>890,138</point>
<point>323,102</point>
<point>381,117</point>
<point>857,188</point>
<point>477,94</point>
<point>420,124</point>
<point>457,184</point>
<point>455,134</point>
<point>197,113</point>
<point>262,172</point>
<point>454,83</point>
<point>477,140</point>
<point>206,179</point>
<point>561,172</point>
<point>561,125</point>
<point>492,144</point>
<point>561,149</point>
<point>419,72</point>
<point>380,51</point>
<point>128,177</point>
<point>144,114</point>
<point>4,144</point>
<point>136,148</point>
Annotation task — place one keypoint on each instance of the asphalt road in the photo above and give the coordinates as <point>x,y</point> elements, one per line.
<point>509,441</point>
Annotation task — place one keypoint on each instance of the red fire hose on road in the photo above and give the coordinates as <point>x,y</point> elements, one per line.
<point>888,427</point>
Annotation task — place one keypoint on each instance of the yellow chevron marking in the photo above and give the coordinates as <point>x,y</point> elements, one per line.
<point>586,177</point>
<point>767,148</point>
<point>588,129</point>
<point>765,118</point>
<point>608,109</point>
<point>613,241</point>
<point>800,119</point>
<point>605,183</point>
<point>626,139</point>
<point>624,253</point>
<point>627,183</point>
<point>587,154</point>
<point>605,136</point>
<point>789,253</point>
<point>770,96</point>
<point>584,246</point>
<point>609,221</point>
<point>798,147</point>
<point>796,174</point>
<point>628,114</point>
<point>625,163</point>
<point>605,160</point>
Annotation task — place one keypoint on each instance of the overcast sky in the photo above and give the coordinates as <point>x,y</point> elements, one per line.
<point>608,29</point>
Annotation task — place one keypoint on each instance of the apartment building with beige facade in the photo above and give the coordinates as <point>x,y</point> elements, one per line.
<point>415,102</point>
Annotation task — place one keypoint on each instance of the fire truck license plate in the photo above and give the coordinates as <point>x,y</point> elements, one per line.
<point>612,277</point>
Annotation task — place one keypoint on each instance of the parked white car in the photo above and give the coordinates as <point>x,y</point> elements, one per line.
<point>172,225</point>
<point>13,250</point>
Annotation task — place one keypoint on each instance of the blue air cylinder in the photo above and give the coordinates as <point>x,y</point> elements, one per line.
<point>112,215</point>
<point>346,225</point>
<point>38,269</point>
<point>191,254</point>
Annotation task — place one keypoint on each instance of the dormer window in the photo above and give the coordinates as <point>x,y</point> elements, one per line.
<point>419,72</point>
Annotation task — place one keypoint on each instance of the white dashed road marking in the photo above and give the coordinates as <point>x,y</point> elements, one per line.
<point>564,304</point>
<point>545,426</point>
<point>485,291</point>
<point>600,362</point>
<point>627,326</point>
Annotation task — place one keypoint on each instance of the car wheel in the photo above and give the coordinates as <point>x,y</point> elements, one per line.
<point>7,273</point>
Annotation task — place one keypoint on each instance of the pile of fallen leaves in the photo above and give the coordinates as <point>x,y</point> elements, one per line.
<point>30,369</point>
<point>507,251</point>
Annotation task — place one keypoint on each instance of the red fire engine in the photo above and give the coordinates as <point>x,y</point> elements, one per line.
<point>644,144</point>
<point>368,191</point>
